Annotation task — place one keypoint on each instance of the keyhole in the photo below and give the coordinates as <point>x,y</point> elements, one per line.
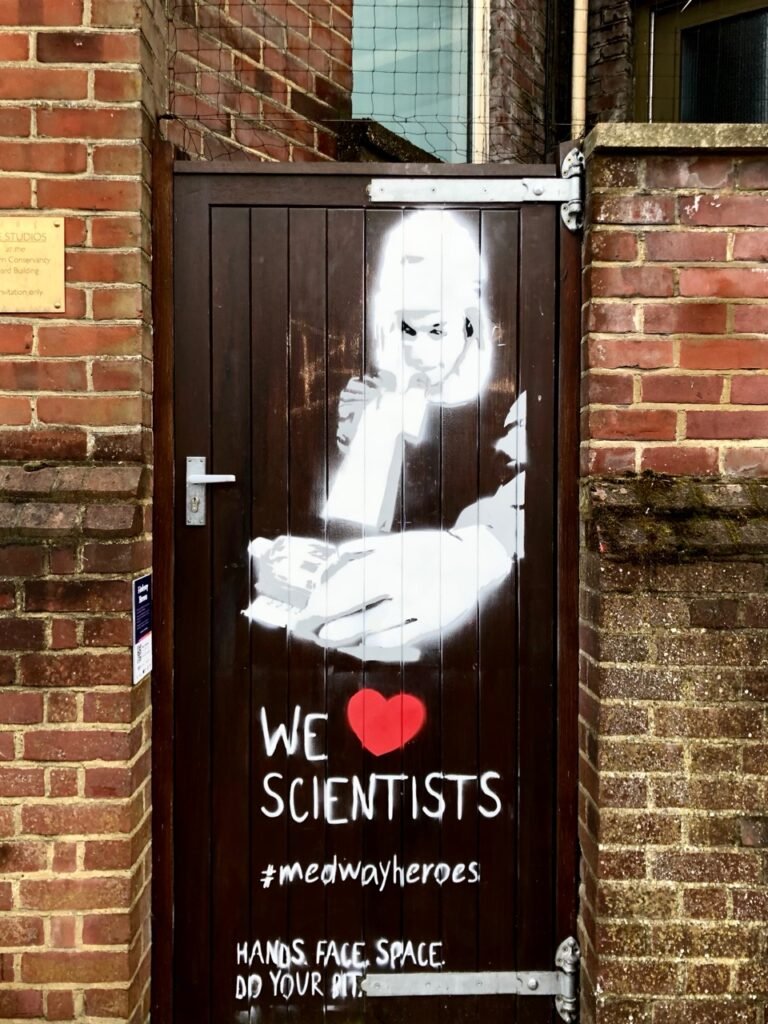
<point>195,503</point>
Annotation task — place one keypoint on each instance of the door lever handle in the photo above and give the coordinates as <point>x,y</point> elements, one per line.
<point>197,481</point>
<point>210,478</point>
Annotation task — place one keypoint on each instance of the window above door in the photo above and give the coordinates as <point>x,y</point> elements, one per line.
<point>702,61</point>
<point>414,67</point>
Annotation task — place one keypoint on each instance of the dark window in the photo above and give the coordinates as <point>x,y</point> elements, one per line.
<point>702,61</point>
<point>724,70</point>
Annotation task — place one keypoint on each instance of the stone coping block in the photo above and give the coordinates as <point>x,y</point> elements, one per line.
<point>637,136</point>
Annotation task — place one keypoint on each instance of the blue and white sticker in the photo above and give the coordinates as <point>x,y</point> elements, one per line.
<point>142,627</point>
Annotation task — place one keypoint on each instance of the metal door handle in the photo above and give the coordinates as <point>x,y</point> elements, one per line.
<point>197,480</point>
<point>210,478</point>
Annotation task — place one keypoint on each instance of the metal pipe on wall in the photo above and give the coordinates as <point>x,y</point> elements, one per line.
<point>579,72</point>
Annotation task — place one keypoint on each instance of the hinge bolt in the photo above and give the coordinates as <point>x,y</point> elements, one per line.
<point>533,984</point>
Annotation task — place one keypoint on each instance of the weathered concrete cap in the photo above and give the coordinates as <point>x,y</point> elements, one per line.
<point>615,135</point>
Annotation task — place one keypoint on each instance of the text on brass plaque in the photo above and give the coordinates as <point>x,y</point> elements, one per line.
<point>31,264</point>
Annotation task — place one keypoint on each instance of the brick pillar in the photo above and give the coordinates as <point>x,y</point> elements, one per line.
<point>75,463</point>
<point>674,747</point>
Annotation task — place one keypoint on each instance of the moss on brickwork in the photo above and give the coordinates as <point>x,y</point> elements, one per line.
<point>652,516</point>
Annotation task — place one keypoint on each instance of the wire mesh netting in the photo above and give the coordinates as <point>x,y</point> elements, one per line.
<point>284,78</point>
<point>412,70</point>
<point>451,80</point>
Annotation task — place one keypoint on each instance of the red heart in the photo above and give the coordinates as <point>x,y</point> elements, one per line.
<point>383,724</point>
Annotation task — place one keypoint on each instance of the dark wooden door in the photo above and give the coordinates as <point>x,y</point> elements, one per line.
<point>367,753</point>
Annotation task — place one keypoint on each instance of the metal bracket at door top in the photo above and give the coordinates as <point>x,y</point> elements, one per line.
<point>566,190</point>
<point>562,983</point>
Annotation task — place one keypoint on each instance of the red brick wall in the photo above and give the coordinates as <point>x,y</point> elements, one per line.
<point>674,584</point>
<point>75,466</point>
<point>265,79</point>
<point>676,349</point>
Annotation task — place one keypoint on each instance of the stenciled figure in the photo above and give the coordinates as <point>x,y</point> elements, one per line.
<point>386,595</point>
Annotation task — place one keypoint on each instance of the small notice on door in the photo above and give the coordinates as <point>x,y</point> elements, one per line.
<point>142,627</point>
<point>31,264</point>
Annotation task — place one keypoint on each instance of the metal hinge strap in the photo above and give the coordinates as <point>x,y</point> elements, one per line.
<point>566,190</point>
<point>562,983</point>
<point>473,190</point>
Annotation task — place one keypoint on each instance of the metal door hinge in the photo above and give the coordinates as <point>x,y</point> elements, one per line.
<point>562,983</point>
<point>566,190</point>
<point>572,169</point>
<point>197,481</point>
<point>567,959</point>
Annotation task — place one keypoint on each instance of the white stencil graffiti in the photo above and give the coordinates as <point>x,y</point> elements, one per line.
<point>386,595</point>
<point>428,347</point>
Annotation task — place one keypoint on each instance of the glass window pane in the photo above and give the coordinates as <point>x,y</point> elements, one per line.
<point>724,70</point>
<point>423,48</point>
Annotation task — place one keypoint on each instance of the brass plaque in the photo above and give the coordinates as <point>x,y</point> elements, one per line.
<point>31,264</point>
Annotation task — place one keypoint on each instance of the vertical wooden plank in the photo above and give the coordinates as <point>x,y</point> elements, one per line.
<point>162,568</point>
<point>270,444</point>
<point>498,655</point>
<point>192,739</point>
<point>422,904</point>
<point>307,488</point>
<point>383,913</point>
<point>538,608</point>
<point>345,362</point>
<point>459,456</point>
<point>229,518</point>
